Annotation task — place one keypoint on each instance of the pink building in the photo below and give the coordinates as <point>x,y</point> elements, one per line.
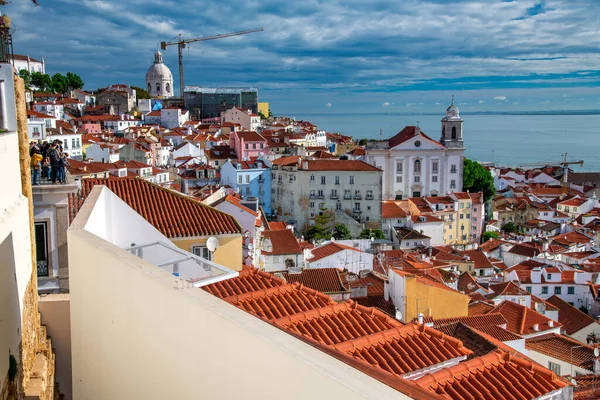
<point>248,144</point>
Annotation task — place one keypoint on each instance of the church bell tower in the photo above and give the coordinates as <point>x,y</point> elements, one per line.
<point>452,127</point>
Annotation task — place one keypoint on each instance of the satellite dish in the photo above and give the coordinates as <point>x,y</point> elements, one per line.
<point>333,239</point>
<point>596,352</point>
<point>212,244</point>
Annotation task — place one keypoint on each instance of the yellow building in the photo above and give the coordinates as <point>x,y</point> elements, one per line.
<point>413,295</point>
<point>186,222</point>
<point>463,221</point>
<point>263,108</point>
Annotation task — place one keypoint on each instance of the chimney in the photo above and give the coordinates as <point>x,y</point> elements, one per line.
<point>60,130</point>
<point>536,327</point>
<point>417,130</point>
<point>551,324</point>
<point>305,165</point>
<point>420,318</point>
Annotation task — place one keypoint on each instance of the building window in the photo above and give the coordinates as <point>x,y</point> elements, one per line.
<point>247,146</point>
<point>202,251</point>
<point>168,87</point>
<point>462,205</point>
<point>338,206</point>
<point>557,290</point>
<point>462,216</point>
<point>41,248</point>
<point>311,204</point>
<point>528,289</point>
<point>453,133</point>
<point>254,146</point>
<point>320,194</point>
<point>347,194</point>
<point>399,167</point>
<point>434,178</point>
<point>417,179</point>
<point>352,180</point>
<point>549,276</point>
<point>453,169</point>
<point>417,166</point>
<point>434,167</point>
<point>149,87</point>
<point>312,178</point>
<point>240,179</point>
<point>544,289</point>
<point>452,184</point>
<point>571,290</point>
<point>158,87</point>
<point>261,145</point>
<point>247,178</point>
<point>337,180</point>
<point>322,180</point>
<point>554,367</point>
<point>356,206</point>
<point>398,178</point>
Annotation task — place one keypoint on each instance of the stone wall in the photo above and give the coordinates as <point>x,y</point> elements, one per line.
<point>35,379</point>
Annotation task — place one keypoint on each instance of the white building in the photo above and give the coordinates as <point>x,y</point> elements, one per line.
<point>249,121</point>
<point>27,63</point>
<point>173,117</point>
<point>315,139</point>
<point>338,255</point>
<point>304,188</point>
<point>71,142</point>
<point>51,108</point>
<point>102,152</point>
<point>159,79</point>
<point>415,165</point>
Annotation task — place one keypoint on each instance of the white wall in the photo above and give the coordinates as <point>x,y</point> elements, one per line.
<point>155,338</point>
<point>353,261</point>
<point>565,367</point>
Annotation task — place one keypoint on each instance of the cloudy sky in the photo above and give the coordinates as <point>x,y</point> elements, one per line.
<point>336,56</point>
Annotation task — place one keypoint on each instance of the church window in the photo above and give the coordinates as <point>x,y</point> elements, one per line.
<point>399,167</point>
<point>444,130</point>
<point>149,87</point>
<point>417,167</point>
<point>158,87</point>
<point>168,88</point>
<point>453,169</point>
<point>453,133</point>
<point>434,167</point>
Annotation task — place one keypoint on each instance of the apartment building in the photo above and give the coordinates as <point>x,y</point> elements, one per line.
<point>301,189</point>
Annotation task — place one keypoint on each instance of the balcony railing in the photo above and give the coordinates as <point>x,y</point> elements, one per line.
<point>312,196</point>
<point>334,197</point>
<point>42,268</point>
<point>356,211</point>
<point>320,196</point>
<point>369,197</point>
<point>347,197</point>
<point>357,197</point>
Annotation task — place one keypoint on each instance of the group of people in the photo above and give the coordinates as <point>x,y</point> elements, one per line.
<point>50,159</point>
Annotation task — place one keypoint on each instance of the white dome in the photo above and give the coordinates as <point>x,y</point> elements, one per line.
<point>158,70</point>
<point>452,112</point>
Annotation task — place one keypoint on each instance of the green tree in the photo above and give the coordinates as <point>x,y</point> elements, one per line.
<point>509,227</point>
<point>341,232</point>
<point>344,157</point>
<point>261,115</point>
<point>141,93</point>
<point>363,142</point>
<point>26,76</point>
<point>372,233</point>
<point>74,81</point>
<point>478,179</point>
<point>322,228</point>
<point>59,83</point>
<point>41,81</point>
<point>489,235</point>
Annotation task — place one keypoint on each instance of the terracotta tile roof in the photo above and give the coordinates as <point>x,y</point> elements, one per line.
<point>324,280</point>
<point>571,318</point>
<point>249,280</point>
<point>478,257</point>
<point>405,349</point>
<point>277,225</point>
<point>173,214</point>
<point>287,161</point>
<point>331,248</point>
<point>523,250</point>
<point>468,284</point>
<point>479,307</point>
<point>282,242</point>
<point>573,202</point>
<point>339,165</point>
<point>495,376</point>
<point>563,348</point>
<point>570,238</point>
<point>472,339</point>
<point>475,321</point>
<point>389,209</point>
<point>250,136</point>
<point>521,320</point>
<point>507,289</point>
<point>280,301</point>
<point>409,234</point>
<point>338,323</point>
<point>407,133</point>
<point>499,333</point>
<point>375,285</point>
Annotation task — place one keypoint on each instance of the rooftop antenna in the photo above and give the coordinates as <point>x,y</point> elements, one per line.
<point>380,134</point>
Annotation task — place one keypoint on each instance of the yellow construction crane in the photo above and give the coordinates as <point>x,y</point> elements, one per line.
<point>564,164</point>
<point>181,43</point>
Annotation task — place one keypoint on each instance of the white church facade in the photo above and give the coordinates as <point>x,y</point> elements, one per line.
<point>159,79</point>
<point>415,165</point>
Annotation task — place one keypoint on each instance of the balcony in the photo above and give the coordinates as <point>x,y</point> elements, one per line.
<point>261,180</point>
<point>320,197</point>
<point>369,197</point>
<point>312,196</point>
<point>357,197</point>
<point>356,211</point>
<point>347,197</point>
<point>334,197</point>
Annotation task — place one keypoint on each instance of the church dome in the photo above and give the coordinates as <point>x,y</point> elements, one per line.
<point>158,70</point>
<point>452,111</point>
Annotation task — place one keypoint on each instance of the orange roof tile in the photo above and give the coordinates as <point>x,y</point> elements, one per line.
<point>571,318</point>
<point>340,165</point>
<point>337,323</point>
<point>249,280</point>
<point>282,242</point>
<point>280,301</point>
<point>389,209</point>
<point>475,321</point>
<point>521,320</point>
<point>563,348</point>
<point>405,349</point>
<point>495,376</point>
<point>479,307</point>
<point>325,280</point>
<point>173,214</point>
